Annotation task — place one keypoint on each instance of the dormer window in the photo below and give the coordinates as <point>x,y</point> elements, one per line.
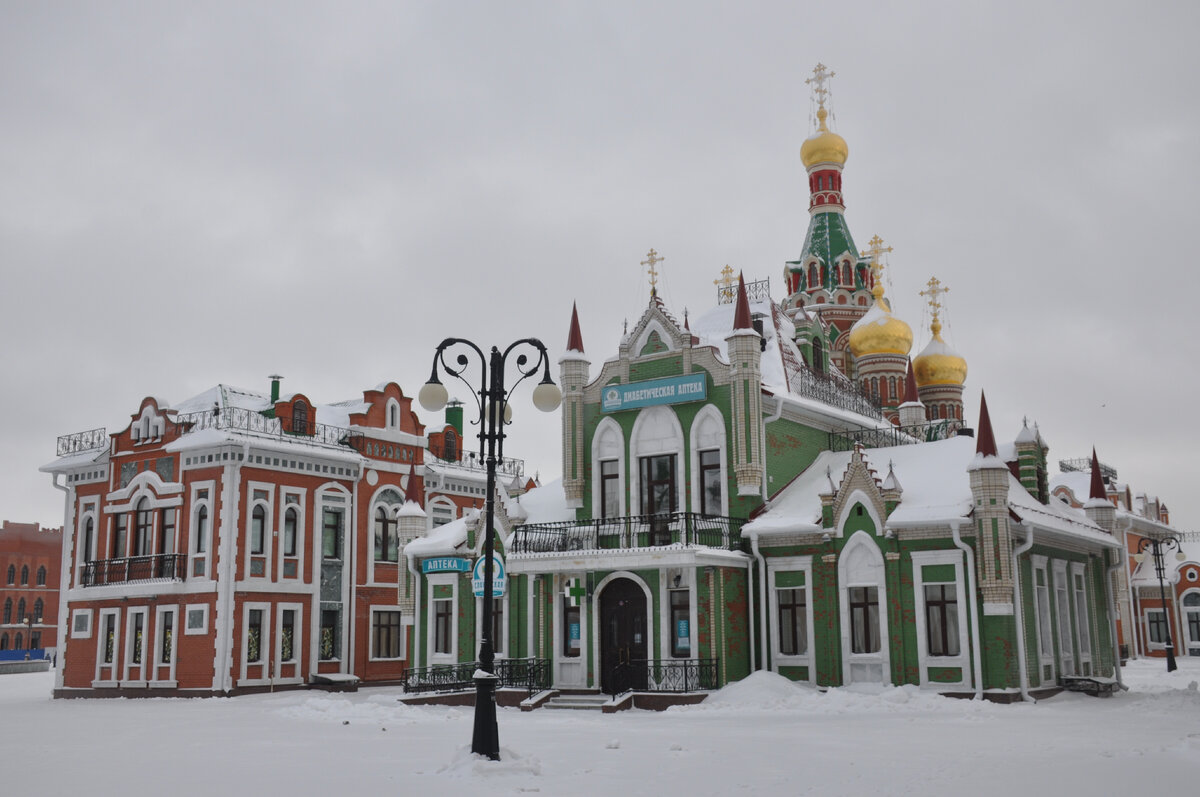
<point>300,418</point>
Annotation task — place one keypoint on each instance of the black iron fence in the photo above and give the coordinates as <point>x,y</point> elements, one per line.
<point>664,675</point>
<point>133,569</point>
<point>82,441</point>
<point>635,531</point>
<point>869,438</point>
<point>529,674</point>
<point>836,391</point>
<point>470,459</point>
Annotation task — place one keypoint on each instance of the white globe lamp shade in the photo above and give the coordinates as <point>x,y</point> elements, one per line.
<point>433,396</point>
<point>1180,556</point>
<point>547,396</point>
<point>1139,557</point>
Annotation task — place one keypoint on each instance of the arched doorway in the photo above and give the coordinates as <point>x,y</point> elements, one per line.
<point>865,653</point>
<point>623,635</point>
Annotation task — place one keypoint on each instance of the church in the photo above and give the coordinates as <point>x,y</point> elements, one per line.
<point>777,484</point>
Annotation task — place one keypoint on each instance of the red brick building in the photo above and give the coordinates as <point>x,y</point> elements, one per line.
<point>239,541</point>
<point>30,559</point>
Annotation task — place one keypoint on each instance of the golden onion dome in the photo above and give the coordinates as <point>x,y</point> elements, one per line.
<point>824,147</point>
<point>938,364</point>
<point>880,332</point>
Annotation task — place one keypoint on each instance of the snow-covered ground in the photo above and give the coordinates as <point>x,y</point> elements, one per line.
<point>763,735</point>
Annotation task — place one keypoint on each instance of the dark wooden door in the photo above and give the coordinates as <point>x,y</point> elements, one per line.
<point>623,636</point>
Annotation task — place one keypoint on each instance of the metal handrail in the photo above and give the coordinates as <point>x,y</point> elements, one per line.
<point>634,531</point>
<point>133,569</point>
<point>244,420</point>
<point>475,461</point>
<point>530,674</point>
<point>78,442</point>
<point>664,675</point>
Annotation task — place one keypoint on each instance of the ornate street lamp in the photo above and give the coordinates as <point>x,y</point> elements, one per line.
<point>494,413</point>
<point>28,620</point>
<point>1157,546</point>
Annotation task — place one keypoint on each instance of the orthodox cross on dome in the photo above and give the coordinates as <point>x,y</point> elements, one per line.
<point>933,290</point>
<point>875,250</point>
<point>651,260</point>
<point>820,83</point>
<point>726,278</point>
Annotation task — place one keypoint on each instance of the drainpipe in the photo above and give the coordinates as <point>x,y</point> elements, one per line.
<point>416,593</point>
<point>67,572</point>
<point>351,552</point>
<point>1019,603</point>
<point>770,419</point>
<point>762,591</point>
<point>974,601</point>
<point>1110,573</point>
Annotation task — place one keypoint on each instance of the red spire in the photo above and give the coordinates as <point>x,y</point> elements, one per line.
<point>986,444</point>
<point>575,337</point>
<point>1097,490</point>
<point>910,387</point>
<point>741,315</point>
<point>410,490</point>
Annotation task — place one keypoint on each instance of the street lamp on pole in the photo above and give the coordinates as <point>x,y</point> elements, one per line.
<point>494,412</point>
<point>1157,546</point>
<point>28,620</point>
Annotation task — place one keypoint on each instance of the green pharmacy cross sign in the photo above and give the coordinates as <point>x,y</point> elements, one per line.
<point>652,392</point>
<point>574,592</point>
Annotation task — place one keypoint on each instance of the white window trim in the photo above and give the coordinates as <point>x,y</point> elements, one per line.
<point>883,657</point>
<point>131,640</point>
<point>112,667</point>
<point>721,446</point>
<point>269,532</point>
<point>441,579</point>
<point>1146,612</point>
<point>264,644</point>
<point>403,635</point>
<point>922,559</point>
<point>1186,641</point>
<point>608,425</point>
<point>159,630</point>
<point>1082,617</point>
<point>81,556</point>
<point>498,646</point>
<point>667,635</point>
<point>639,448</point>
<point>193,515</point>
<point>440,502</point>
<point>1067,664</point>
<point>301,521</point>
<point>297,659</point>
<point>791,564</point>
<point>187,610</point>
<point>578,665</point>
<point>76,615</point>
<point>1045,657</point>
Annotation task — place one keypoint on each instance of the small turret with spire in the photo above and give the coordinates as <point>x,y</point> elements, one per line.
<point>573,370</point>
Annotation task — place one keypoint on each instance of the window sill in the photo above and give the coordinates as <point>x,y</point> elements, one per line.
<point>164,684</point>
<point>390,659</point>
<point>105,684</point>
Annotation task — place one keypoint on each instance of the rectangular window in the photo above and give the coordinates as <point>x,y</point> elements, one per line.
<point>287,635</point>
<point>120,522</point>
<point>793,621</point>
<point>442,622</point>
<point>136,631</point>
<point>1064,618</point>
<point>864,619</point>
<point>572,632</point>
<point>658,484</point>
<point>290,528</point>
<point>387,548</point>
<point>202,529</point>
<point>941,620</point>
<point>110,637</point>
<point>141,539</point>
<point>331,536</point>
<point>710,482</point>
<point>1081,617</point>
<point>681,622</point>
<point>1045,638</point>
<point>1156,623</point>
<point>385,635</point>
<point>254,636</point>
<point>329,634</point>
<point>167,638</point>
<point>166,531</point>
<point>258,527</point>
<point>610,487</point>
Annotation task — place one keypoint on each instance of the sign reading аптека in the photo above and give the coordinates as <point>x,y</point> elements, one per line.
<point>671,390</point>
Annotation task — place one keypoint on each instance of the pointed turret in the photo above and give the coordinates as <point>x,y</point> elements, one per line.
<point>741,312</point>
<point>574,336</point>
<point>745,357</point>
<point>986,440</point>
<point>991,482</point>
<point>1097,487</point>
<point>1098,508</point>
<point>912,411</point>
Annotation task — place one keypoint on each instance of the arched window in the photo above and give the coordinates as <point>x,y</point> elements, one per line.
<point>818,355</point>
<point>202,529</point>
<point>300,418</point>
<point>7,611</point>
<point>24,575</point>
<point>20,641</point>
<point>813,278</point>
<point>847,275</point>
<point>394,416</point>
<point>120,523</point>
<point>258,529</point>
<point>41,576</point>
<point>450,446</point>
<point>89,541</point>
<point>21,611</point>
<point>290,523</point>
<point>4,641</point>
<point>892,387</point>
<point>38,606</point>
<point>145,521</point>
<point>862,301</point>
<point>12,574</point>
<point>841,299</point>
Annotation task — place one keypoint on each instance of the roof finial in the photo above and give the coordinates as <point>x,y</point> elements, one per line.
<point>820,89</point>
<point>652,258</point>
<point>873,252</point>
<point>574,337</point>
<point>741,311</point>
<point>1097,486</point>
<point>933,291</point>
<point>986,441</point>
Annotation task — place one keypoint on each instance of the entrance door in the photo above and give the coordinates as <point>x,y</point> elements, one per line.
<point>1191,620</point>
<point>623,636</point>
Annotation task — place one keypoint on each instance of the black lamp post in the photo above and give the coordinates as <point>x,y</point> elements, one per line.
<point>494,413</point>
<point>29,619</point>
<point>1157,546</point>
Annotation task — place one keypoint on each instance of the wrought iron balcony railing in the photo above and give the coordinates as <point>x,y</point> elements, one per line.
<point>244,420</point>
<point>836,391</point>
<point>636,531</point>
<point>134,569</point>
<point>664,675</point>
<point>79,442</point>
<point>470,459</point>
<point>530,674</point>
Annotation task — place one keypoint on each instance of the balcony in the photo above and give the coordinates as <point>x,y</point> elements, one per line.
<point>134,570</point>
<point>469,459</point>
<point>637,531</point>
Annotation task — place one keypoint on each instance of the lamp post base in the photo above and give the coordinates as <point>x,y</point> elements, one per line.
<point>1171,665</point>
<point>485,739</point>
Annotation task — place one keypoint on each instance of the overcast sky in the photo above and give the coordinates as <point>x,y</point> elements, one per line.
<point>193,194</point>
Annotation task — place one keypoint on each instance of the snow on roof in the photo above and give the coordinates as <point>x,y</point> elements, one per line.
<point>937,489</point>
<point>546,504</point>
<point>445,540</point>
<point>76,460</point>
<point>1078,483</point>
